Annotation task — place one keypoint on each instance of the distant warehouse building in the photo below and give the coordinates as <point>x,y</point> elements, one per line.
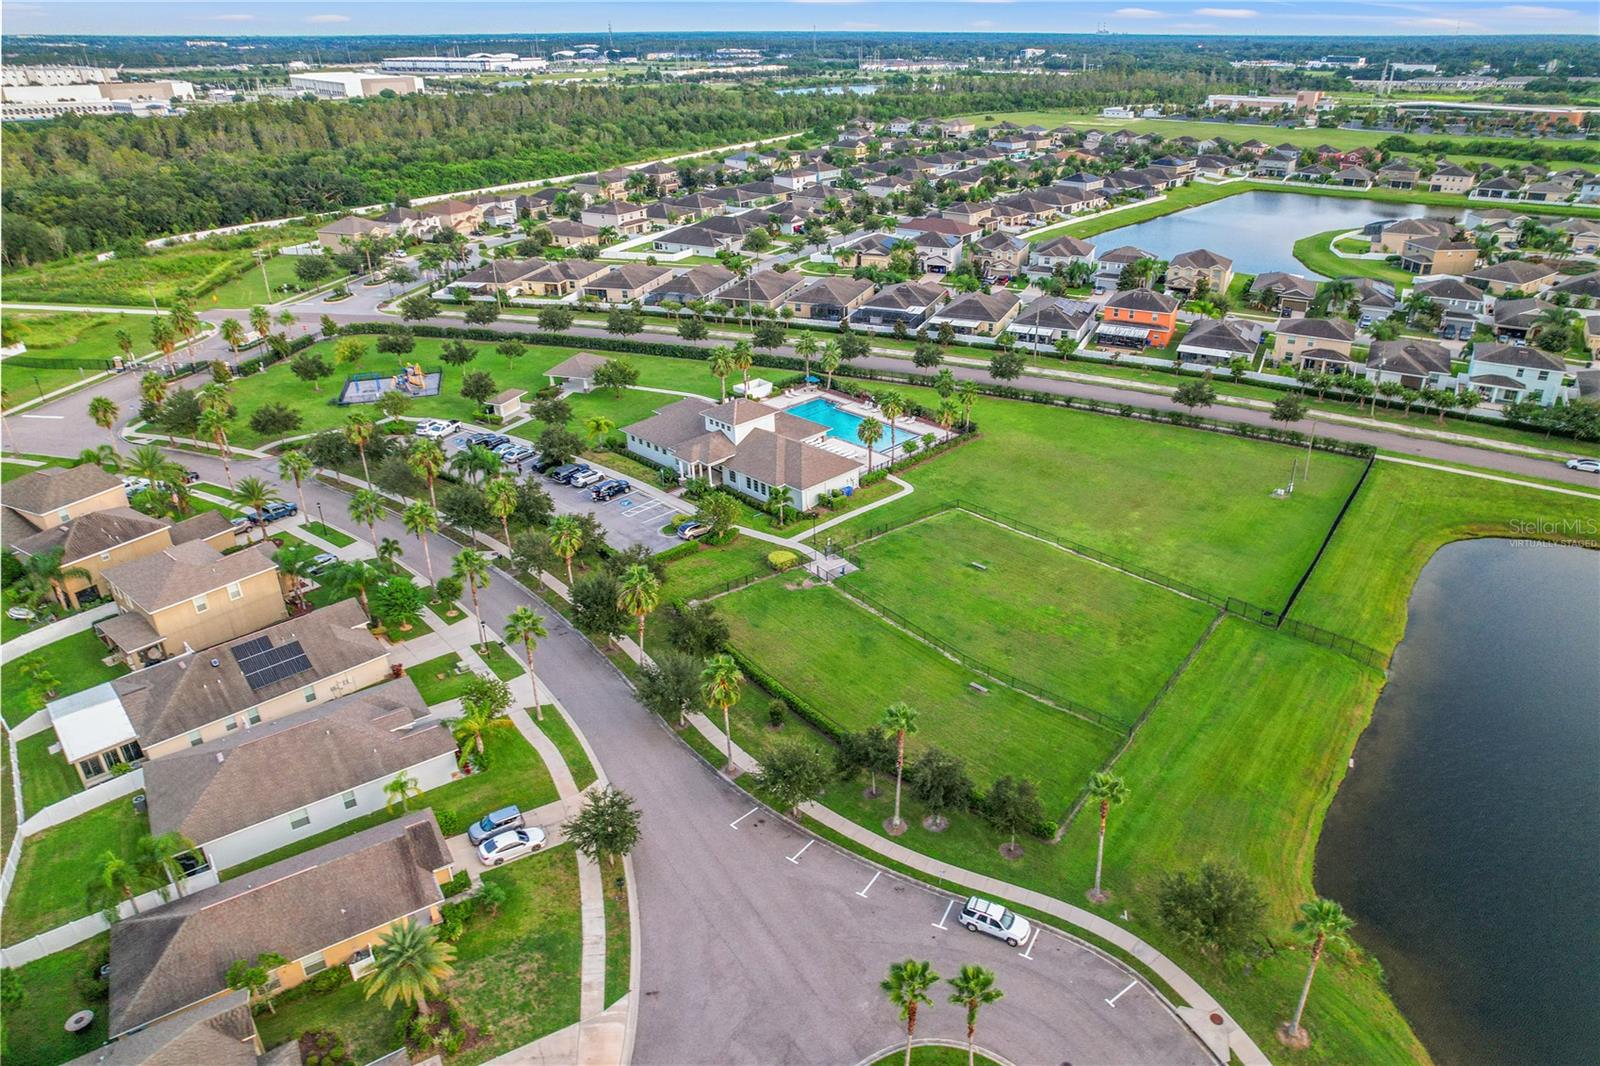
<point>476,63</point>
<point>1305,100</point>
<point>348,85</point>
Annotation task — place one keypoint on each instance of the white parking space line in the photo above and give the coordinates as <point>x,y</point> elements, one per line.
<point>795,858</point>
<point>875,876</point>
<point>735,823</point>
<point>1029,953</point>
<point>940,923</point>
<point>1112,1002</point>
<point>53,418</point>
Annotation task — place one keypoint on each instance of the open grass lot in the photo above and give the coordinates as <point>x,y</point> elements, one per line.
<point>707,571</point>
<point>554,725</point>
<point>1403,515</point>
<point>55,988</point>
<point>75,663</point>
<point>1056,620</point>
<point>516,774</point>
<point>1194,505</point>
<point>1316,254</point>
<point>46,778</point>
<point>58,864</point>
<point>517,974</point>
<point>851,665</point>
<point>248,290</point>
<point>505,664</point>
<point>80,344</point>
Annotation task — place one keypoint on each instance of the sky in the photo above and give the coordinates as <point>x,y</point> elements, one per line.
<point>217,18</point>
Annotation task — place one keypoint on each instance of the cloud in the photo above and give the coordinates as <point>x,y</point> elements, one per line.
<point>233,18</point>
<point>841,3</point>
<point>1227,12</point>
<point>1436,23</point>
<point>1137,13</point>
<point>1533,11</point>
<point>861,26</point>
<point>328,18</point>
<point>984,24</point>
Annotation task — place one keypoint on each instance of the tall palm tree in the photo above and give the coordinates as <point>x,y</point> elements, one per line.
<point>743,359</point>
<point>721,365</point>
<point>832,356</point>
<point>525,626</point>
<point>409,964</point>
<point>599,427</point>
<point>640,593</point>
<point>162,857</point>
<point>900,719</point>
<point>358,431</point>
<point>869,432</point>
<point>399,791</point>
<point>256,493</point>
<point>124,341</point>
<point>421,521</point>
<point>356,574</point>
<point>233,334</point>
<point>261,321</point>
<point>972,989</point>
<point>295,465</point>
<point>500,494</point>
<point>966,394</point>
<point>118,880</point>
<point>213,424</point>
<point>164,337</point>
<point>719,684</point>
<point>805,346</point>
<point>1323,922</point>
<point>103,412</point>
<point>476,722</point>
<point>472,566</point>
<point>366,507</point>
<point>151,463</point>
<point>185,322</point>
<point>1108,790</point>
<point>892,406</point>
<point>566,540</point>
<point>286,319</point>
<point>153,388</point>
<point>427,460</point>
<point>104,456</point>
<point>907,987</point>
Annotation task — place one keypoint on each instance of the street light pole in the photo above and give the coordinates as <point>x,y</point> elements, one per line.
<point>320,522</point>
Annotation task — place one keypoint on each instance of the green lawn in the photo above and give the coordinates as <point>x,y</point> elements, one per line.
<point>46,778</point>
<point>1196,506</point>
<point>934,1055</point>
<point>8,803</point>
<point>619,941</point>
<point>1403,515</point>
<point>851,666</point>
<point>248,290</point>
<point>554,725</point>
<point>54,989</point>
<point>81,344</point>
<point>503,663</point>
<point>516,774</point>
<point>1056,620</point>
<point>707,571</point>
<point>1315,253</point>
<point>438,680</point>
<point>75,663</point>
<point>58,864</point>
<point>518,974</point>
<point>338,538</point>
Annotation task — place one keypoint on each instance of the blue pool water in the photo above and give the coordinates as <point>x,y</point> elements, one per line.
<point>843,424</point>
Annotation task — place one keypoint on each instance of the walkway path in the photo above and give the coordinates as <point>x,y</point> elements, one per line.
<point>49,634</point>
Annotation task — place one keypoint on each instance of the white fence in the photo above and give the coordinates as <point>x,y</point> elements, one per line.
<point>76,932</point>
<point>57,813</point>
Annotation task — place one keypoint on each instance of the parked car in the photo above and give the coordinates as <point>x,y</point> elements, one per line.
<point>247,518</point>
<point>566,472</point>
<point>321,562</point>
<point>191,476</point>
<point>517,455</point>
<point>135,485</point>
<point>1588,466</point>
<point>436,428</point>
<point>586,479</point>
<point>691,530</point>
<point>985,916</point>
<point>503,847</point>
<point>274,511</point>
<point>494,822</point>
<point>610,490</point>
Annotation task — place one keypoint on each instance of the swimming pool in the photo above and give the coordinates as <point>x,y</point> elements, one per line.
<point>844,425</point>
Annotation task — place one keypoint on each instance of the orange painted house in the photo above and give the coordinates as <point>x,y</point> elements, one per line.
<point>1138,318</point>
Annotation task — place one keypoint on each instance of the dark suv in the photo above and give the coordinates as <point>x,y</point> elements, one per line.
<point>608,490</point>
<point>566,472</point>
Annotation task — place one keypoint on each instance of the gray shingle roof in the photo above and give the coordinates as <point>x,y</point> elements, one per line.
<point>185,571</point>
<point>46,491</point>
<point>91,534</point>
<point>1517,355</point>
<point>778,460</point>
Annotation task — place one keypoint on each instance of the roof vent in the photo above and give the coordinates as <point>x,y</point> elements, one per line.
<point>219,756</point>
<point>216,662</point>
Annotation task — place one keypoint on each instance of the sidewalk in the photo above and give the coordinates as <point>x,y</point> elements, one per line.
<point>49,634</point>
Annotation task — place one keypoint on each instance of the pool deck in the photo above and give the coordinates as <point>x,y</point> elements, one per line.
<point>912,428</point>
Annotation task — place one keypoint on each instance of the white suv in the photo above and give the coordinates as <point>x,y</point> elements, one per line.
<point>436,428</point>
<point>983,916</point>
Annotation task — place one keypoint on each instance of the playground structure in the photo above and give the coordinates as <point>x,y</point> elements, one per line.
<point>369,387</point>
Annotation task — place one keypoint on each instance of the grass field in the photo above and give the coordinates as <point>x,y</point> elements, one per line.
<point>1317,256</point>
<point>80,343</point>
<point>75,663</point>
<point>248,290</point>
<point>1403,515</point>
<point>707,571</point>
<point>1197,506</point>
<point>9,817</point>
<point>851,665</point>
<point>46,778</point>
<point>58,863</point>
<point>55,988</point>
<point>1057,621</point>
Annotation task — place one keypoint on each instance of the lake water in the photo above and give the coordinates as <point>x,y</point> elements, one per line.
<point>1466,840</point>
<point>829,90</point>
<point>1257,230</point>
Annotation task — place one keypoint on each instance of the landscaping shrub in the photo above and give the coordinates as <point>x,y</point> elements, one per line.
<point>776,710</point>
<point>451,824</point>
<point>275,419</point>
<point>457,884</point>
<point>330,979</point>
<point>782,559</point>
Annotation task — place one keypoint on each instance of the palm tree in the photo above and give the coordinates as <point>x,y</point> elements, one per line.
<point>1338,293</point>
<point>409,964</point>
<point>566,540</point>
<point>164,337</point>
<point>477,721</point>
<point>366,507</point>
<point>900,719</point>
<point>501,496</point>
<point>472,566</point>
<point>421,521</point>
<point>524,625</point>
<point>892,406</point>
<point>973,988</point>
<point>721,365</point>
<point>124,341</point>
<point>1322,921</point>
<point>43,571</point>
<point>427,460</point>
<point>400,791</point>
<point>719,683</point>
<point>356,574</point>
<point>261,321</point>
<point>185,323</point>
<point>256,494</point>
<point>599,427</point>
<point>161,856</point>
<point>294,465</point>
<point>805,346</point>
<point>640,593</point>
<point>389,550</point>
<point>743,360</point>
<point>966,393</point>
<point>153,388</point>
<point>907,987</point>
<point>233,334</point>
<point>831,358</point>
<point>358,430</point>
<point>118,880</point>
<point>214,424</point>
<point>103,412</point>
<point>869,432</point>
<point>286,319</point>
<point>1109,791</point>
<point>780,499</point>
<point>104,456</point>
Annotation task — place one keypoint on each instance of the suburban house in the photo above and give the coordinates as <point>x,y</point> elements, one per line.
<point>556,278</point>
<point>213,693</point>
<point>1416,364</point>
<point>662,177</point>
<point>619,215</point>
<point>948,227</point>
<point>910,302</point>
<point>1438,255</point>
<point>1460,305</point>
<point>1050,318</point>
<point>1186,270</point>
<point>1293,292</point>
<point>745,445</point>
<point>1217,342</point>
<point>409,222</point>
<point>1000,255</point>
<point>832,299</point>
<point>1392,237</point>
<point>703,282</point>
<point>1059,251</point>
<point>51,495</point>
<point>627,282</point>
<point>497,276</point>
<point>765,288</point>
<point>347,232</point>
<point>1515,319</point>
<point>499,209</point>
<point>220,1032</point>
<point>978,314</point>
<point>708,237</point>
<point>567,234</point>
<point>1506,373</point>
<point>577,373</point>
<point>1138,318</point>
<point>323,908</point>
<point>1501,188</point>
<point>1514,274</point>
<point>1376,300</point>
<point>189,596</point>
<point>810,174</point>
<point>1320,345</point>
<point>1399,174</point>
<point>455,214</point>
<point>973,213</point>
<point>1109,269</point>
<point>1583,234</point>
<point>1451,178</point>
<point>264,788</point>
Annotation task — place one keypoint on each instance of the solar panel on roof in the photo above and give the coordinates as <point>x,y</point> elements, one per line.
<point>250,647</point>
<point>271,665</point>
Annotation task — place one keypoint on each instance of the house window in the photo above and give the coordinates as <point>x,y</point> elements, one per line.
<point>253,716</point>
<point>132,752</point>
<point>64,515</point>
<point>310,694</point>
<point>349,799</point>
<point>195,739</point>
<point>313,964</point>
<point>300,819</point>
<point>200,604</point>
<point>91,767</point>
<point>234,591</point>
<point>231,724</point>
<point>105,556</point>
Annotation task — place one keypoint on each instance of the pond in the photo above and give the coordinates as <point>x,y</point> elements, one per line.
<point>1465,841</point>
<point>1257,230</point>
<point>828,90</point>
